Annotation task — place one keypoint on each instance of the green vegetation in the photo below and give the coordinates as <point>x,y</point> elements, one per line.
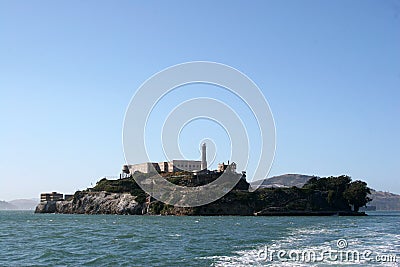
<point>341,191</point>
<point>357,194</point>
<point>125,185</point>
<point>116,186</point>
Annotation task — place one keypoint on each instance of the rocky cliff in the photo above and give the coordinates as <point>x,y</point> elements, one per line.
<point>243,203</point>
<point>94,203</point>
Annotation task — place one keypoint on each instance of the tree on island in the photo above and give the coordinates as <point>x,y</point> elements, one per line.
<point>341,191</point>
<point>357,194</point>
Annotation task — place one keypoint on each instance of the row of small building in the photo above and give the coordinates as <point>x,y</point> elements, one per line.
<point>169,166</point>
<point>54,196</point>
<point>173,166</point>
<point>195,166</point>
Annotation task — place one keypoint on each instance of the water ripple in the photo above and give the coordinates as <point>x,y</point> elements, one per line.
<point>27,239</point>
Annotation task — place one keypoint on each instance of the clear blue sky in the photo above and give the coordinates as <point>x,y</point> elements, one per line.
<point>329,69</point>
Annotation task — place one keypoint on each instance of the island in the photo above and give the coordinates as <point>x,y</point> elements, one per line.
<point>325,196</point>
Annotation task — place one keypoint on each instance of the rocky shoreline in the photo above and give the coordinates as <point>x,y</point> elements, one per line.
<point>331,196</point>
<point>94,203</point>
<point>126,204</point>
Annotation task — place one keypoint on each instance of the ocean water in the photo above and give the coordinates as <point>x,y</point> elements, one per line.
<point>28,239</point>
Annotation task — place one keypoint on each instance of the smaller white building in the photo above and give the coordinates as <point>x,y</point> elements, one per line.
<point>146,167</point>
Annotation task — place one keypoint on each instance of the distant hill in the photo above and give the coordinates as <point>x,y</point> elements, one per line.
<point>381,200</point>
<point>25,204</point>
<point>19,204</point>
<point>7,206</point>
<point>385,200</point>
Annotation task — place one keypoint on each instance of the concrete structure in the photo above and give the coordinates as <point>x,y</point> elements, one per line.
<point>171,166</point>
<point>125,172</point>
<point>203,157</point>
<point>226,167</point>
<point>184,165</point>
<point>53,196</point>
<point>146,167</point>
<point>168,166</point>
<point>164,166</point>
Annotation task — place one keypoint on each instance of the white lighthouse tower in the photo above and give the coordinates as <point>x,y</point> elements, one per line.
<point>203,156</point>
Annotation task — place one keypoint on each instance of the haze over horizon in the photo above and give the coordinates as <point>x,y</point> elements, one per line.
<point>329,70</point>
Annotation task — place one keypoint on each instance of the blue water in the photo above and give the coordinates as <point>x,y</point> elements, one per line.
<point>28,239</point>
